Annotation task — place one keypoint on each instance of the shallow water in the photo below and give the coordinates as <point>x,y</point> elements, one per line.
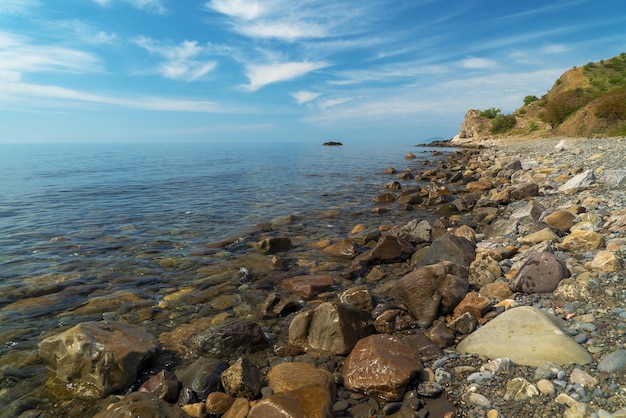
<point>114,230</point>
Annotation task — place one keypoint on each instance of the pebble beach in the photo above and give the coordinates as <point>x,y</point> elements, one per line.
<point>490,286</point>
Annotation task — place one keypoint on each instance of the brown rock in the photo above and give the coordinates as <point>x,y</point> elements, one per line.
<point>381,365</point>
<point>582,241</point>
<point>560,219</point>
<point>195,410</point>
<point>449,247</point>
<point>389,249</point>
<point>217,403</point>
<point>441,335</point>
<point>497,290</point>
<point>331,328</point>
<point>358,296</point>
<point>464,324</point>
<point>484,270</point>
<point>273,244</point>
<point>98,358</point>
<point>541,273</point>
<point>433,290</point>
<point>242,379</point>
<point>384,198</point>
<point>524,191</point>
<point>163,385</point>
<point>304,402</point>
<point>308,286</point>
<point>545,234</point>
<point>424,346</point>
<point>480,185</point>
<point>239,409</point>
<point>276,305</point>
<point>605,262</point>
<point>411,198</point>
<point>393,320</point>
<point>141,404</point>
<point>345,248</point>
<point>474,303</point>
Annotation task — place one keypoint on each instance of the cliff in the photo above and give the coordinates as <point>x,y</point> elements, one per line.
<point>585,101</point>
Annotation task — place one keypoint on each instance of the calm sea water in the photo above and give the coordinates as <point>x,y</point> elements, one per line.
<point>83,222</point>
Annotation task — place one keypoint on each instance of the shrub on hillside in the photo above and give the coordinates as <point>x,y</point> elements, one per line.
<point>563,104</point>
<point>612,107</point>
<point>502,123</point>
<point>490,113</point>
<point>529,99</point>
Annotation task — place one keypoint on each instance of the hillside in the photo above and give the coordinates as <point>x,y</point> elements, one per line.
<point>585,101</point>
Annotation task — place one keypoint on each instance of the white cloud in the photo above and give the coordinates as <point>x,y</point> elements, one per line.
<point>477,63</point>
<point>554,49</point>
<point>262,75</point>
<point>181,61</point>
<point>18,7</point>
<point>16,91</point>
<point>18,55</point>
<point>334,102</point>
<point>153,6</point>
<point>305,96</point>
<point>243,9</point>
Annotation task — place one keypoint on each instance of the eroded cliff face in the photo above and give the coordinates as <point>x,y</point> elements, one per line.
<point>474,130</point>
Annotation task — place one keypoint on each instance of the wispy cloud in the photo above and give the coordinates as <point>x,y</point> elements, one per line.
<point>474,63</point>
<point>19,55</point>
<point>290,21</point>
<point>262,75</point>
<point>554,49</point>
<point>387,73</point>
<point>305,96</point>
<point>334,102</point>
<point>23,90</point>
<point>181,61</point>
<point>153,6</point>
<point>18,7</point>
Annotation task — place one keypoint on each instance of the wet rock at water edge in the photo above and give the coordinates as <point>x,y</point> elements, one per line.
<point>381,365</point>
<point>274,244</point>
<point>163,385</point>
<point>452,248</point>
<point>202,377</point>
<point>229,340</point>
<point>331,328</point>
<point>98,358</point>
<point>242,379</point>
<point>389,249</point>
<point>141,404</point>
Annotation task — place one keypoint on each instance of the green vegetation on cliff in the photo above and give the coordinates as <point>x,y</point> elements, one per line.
<point>585,101</point>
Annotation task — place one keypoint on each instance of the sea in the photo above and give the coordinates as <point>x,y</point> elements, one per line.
<point>104,231</point>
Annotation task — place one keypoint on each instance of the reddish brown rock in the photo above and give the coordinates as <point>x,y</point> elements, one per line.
<point>541,273</point>
<point>294,375</point>
<point>218,403</point>
<point>393,320</point>
<point>496,290</point>
<point>384,198</point>
<point>480,185</point>
<point>141,404</point>
<point>424,346</point>
<point>524,191</point>
<point>381,365</point>
<point>239,409</point>
<point>433,290</point>
<point>308,286</point>
<point>308,401</point>
<point>345,248</point>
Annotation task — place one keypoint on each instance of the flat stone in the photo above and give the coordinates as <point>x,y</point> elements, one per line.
<point>526,335</point>
<point>389,249</point>
<point>308,401</point>
<point>578,182</point>
<point>560,219</point>
<point>545,234</point>
<point>288,376</point>
<point>613,362</point>
<point>344,248</point>
<point>141,404</point>
<point>498,290</point>
<point>309,285</point>
<point>218,403</point>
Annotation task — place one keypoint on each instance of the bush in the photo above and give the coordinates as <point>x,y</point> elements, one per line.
<point>559,107</point>
<point>612,107</point>
<point>502,123</point>
<point>490,113</point>
<point>529,99</point>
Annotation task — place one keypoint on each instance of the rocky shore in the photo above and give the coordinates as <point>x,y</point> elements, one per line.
<point>505,296</point>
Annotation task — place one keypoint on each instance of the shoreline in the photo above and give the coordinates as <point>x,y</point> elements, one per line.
<point>468,208</point>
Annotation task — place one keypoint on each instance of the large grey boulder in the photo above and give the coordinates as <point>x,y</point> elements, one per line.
<point>98,358</point>
<point>526,335</point>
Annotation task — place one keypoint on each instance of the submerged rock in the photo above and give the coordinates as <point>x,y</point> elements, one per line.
<point>98,358</point>
<point>141,404</point>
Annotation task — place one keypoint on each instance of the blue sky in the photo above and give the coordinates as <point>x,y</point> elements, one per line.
<point>288,70</point>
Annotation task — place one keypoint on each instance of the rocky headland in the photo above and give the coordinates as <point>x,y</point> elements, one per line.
<point>505,296</point>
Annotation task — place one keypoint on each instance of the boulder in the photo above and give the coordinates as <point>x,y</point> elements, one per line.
<point>381,365</point>
<point>541,273</point>
<point>415,232</point>
<point>524,191</point>
<point>581,240</point>
<point>578,182</point>
<point>274,244</point>
<point>560,219</point>
<point>433,290</point>
<point>451,248</point>
<point>229,340</point>
<point>385,198</point>
<point>526,335</point>
<point>309,401</point>
<point>294,375</point>
<point>98,358</point>
<point>331,328</point>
